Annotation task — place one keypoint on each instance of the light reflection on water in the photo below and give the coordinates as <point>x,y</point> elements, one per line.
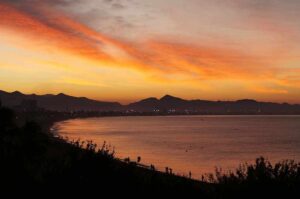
<point>192,143</point>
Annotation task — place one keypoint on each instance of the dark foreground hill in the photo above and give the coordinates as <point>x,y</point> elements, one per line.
<point>35,160</point>
<point>165,105</point>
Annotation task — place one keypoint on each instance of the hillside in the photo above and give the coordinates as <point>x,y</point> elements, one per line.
<point>246,106</point>
<point>60,102</point>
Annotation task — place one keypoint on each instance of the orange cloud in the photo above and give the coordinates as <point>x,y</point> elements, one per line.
<point>201,61</point>
<point>58,31</point>
<point>160,57</point>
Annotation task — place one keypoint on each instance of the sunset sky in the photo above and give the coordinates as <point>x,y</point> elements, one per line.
<point>125,50</point>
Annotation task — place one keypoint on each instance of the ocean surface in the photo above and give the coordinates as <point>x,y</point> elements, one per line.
<point>192,143</point>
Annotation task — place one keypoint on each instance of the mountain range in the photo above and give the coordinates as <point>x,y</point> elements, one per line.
<point>167,104</point>
<point>60,102</point>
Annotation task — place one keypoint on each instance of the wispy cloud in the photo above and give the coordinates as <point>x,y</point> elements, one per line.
<point>260,49</point>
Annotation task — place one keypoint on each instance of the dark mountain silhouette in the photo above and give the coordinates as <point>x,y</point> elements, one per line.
<point>172,104</point>
<point>60,102</point>
<point>167,104</point>
<point>145,105</point>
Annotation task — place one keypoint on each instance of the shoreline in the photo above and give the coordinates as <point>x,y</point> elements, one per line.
<point>34,158</point>
<point>55,135</point>
<point>200,165</point>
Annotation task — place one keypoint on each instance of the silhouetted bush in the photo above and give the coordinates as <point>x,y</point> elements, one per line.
<point>261,179</point>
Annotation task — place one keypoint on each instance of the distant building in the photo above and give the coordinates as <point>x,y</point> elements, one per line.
<point>173,110</point>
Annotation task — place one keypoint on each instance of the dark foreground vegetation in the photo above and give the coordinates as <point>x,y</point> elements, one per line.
<point>32,158</point>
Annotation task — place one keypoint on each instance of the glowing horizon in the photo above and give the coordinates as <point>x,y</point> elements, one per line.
<point>114,50</point>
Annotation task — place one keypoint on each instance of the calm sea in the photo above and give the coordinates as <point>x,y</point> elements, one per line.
<point>192,143</point>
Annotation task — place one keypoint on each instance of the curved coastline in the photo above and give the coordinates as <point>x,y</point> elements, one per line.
<point>142,137</point>
<point>32,158</point>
